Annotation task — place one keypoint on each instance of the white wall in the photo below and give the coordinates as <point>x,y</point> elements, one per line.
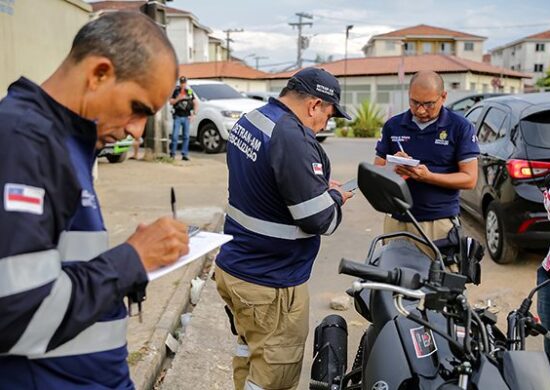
<point>180,32</point>
<point>35,37</point>
<point>200,49</point>
<point>475,55</point>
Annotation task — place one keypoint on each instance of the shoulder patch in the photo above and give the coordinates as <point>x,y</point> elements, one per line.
<point>24,198</point>
<point>317,168</point>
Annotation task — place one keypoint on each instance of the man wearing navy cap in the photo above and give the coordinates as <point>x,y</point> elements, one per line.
<point>445,144</point>
<point>281,199</point>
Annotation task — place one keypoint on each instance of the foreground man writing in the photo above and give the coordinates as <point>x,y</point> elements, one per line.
<point>62,317</point>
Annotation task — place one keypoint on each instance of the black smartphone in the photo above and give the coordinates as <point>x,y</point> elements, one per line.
<point>350,185</point>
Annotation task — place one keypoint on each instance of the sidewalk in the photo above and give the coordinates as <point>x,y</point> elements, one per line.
<point>203,361</point>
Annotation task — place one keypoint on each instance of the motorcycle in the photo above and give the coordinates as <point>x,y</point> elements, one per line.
<point>423,334</point>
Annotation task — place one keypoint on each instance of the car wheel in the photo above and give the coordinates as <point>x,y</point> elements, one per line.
<point>211,139</point>
<point>501,249</point>
<point>116,158</point>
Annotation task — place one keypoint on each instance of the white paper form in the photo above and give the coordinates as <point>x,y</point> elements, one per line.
<point>392,161</point>
<point>199,245</point>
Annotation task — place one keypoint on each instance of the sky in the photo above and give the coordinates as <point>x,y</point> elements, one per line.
<point>268,34</point>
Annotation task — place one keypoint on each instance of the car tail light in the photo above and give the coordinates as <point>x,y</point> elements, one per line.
<point>524,169</point>
<point>528,222</point>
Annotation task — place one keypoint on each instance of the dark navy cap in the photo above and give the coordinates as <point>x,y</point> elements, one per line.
<point>319,83</point>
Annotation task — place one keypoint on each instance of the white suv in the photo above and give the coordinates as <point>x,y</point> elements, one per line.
<point>220,106</point>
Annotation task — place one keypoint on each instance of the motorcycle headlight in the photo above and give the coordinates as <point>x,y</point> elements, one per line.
<point>232,114</point>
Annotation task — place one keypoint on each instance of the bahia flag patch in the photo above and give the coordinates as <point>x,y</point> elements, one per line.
<point>317,168</point>
<point>23,198</point>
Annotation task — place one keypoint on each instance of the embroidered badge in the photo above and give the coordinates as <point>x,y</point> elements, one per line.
<point>317,168</point>
<point>23,198</point>
<point>442,140</point>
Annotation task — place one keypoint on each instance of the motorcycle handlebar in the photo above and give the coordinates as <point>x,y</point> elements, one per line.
<point>367,272</point>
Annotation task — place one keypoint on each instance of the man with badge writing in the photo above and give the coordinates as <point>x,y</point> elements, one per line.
<point>445,145</point>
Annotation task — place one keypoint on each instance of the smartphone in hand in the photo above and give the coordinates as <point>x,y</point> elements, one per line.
<point>350,185</point>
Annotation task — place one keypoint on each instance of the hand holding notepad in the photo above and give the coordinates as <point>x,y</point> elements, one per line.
<point>397,160</point>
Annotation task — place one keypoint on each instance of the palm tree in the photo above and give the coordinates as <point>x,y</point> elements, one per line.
<point>368,120</point>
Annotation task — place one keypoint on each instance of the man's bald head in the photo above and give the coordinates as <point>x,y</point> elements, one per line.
<point>130,40</point>
<point>427,80</point>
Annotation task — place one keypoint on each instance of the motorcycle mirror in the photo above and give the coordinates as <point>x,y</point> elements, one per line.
<point>385,190</point>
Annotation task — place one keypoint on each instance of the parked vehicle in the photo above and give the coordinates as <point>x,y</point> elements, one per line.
<point>423,332</point>
<point>321,136</point>
<point>514,137</point>
<point>118,151</point>
<point>460,106</point>
<point>220,106</point>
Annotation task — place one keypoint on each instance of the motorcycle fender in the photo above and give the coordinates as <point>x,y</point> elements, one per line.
<point>387,362</point>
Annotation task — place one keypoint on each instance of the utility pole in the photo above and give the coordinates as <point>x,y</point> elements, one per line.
<point>258,58</point>
<point>154,129</point>
<point>303,42</point>
<point>348,27</point>
<point>228,39</point>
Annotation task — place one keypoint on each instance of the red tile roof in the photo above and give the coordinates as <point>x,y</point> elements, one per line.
<point>425,30</point>
<point>116,5</point>
<point>376,66</point>
<point>129,5</point>
<point>540,35</point>
<point>227,69</point>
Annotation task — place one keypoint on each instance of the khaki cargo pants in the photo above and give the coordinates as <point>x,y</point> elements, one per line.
<point>435,230</point>
<point>272,324</point>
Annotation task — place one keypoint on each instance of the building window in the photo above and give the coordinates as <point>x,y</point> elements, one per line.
<point>468,46</point>
<point>539,47</point>
<point>485,87</point>
<point>518,67</point>
<point>473,86</point>
<point>512,67</point>
<point>390,45</point>
<point>426,47</point>
<point>445,48</point>
<point>410,48</point>
<point>512,90</point>
<point>455,85</point>
<point>538,68</point>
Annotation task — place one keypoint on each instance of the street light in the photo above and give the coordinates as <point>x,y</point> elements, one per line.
<point>348,27</point>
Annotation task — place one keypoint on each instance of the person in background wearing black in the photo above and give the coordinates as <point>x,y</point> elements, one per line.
<point>185,105</point>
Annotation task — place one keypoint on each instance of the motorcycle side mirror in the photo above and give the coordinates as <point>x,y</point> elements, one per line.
<point>385,190</point>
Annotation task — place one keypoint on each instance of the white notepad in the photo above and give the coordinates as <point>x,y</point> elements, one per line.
<point>199,245</point>
<point>396,160</point>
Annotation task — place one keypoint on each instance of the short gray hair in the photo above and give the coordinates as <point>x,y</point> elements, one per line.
<point>129,39</point>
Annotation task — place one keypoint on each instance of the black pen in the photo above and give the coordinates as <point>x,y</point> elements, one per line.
<point>173,202</point>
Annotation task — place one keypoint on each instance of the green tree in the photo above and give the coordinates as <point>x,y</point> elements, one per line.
<point>368,120</point>
<point>544,82</point>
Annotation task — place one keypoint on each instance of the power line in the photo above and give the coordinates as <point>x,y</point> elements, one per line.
<point>303,42</point>
<point>228,39</point>
<point>362,23</point>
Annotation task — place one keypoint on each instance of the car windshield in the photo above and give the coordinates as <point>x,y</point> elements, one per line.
<point>536,130</point>
<point>215,91</point>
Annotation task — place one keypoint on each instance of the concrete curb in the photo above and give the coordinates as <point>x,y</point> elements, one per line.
<point>145,372</point>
